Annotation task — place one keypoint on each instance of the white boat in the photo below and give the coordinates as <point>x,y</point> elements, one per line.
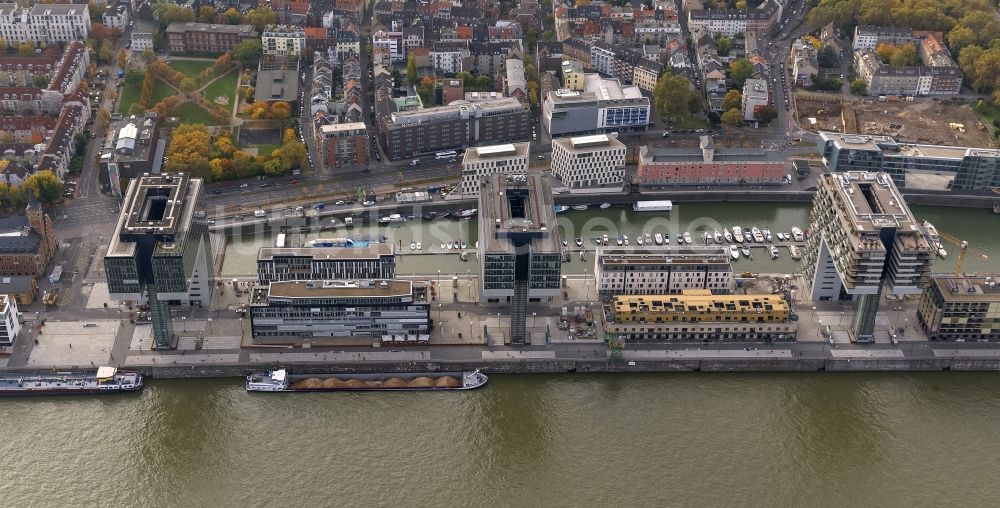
<point>734,252</point>
<point>658,238</point>
<point>444,246</point>
<point>757,235</point>
<point>579,242</point>
<point>767,235</point>
<point>619,240</point>
<point>413,245</point>
<point>625,237</point>
<point>727,235</point>
<point>604,239</point>
<point>392,218</point>
<point>420,246</point>
<point>932,232</point>
<point>797,235</point>
<point>773,251</point>
<point>448,245</point>
<point>746,251</point>
<point>605,206</point>
<point>464,245</point>
<point>455,245</point>
<point>465,214</point>
<point>666,238</point>
<point>638,240</point>
<point>793,251</point>
<point>477,244</point>
<point>626,241</point>
<point>565,243</point>
<point>707,237</point>
<point>649,239</point>
<point>940,250</point>
<point>579,208</point>
<point>561,208</point>
<point>687,237</point>
<point>464,256</point>
<point>781,236</point>
<point>717,236</point>
<point>738,234</point>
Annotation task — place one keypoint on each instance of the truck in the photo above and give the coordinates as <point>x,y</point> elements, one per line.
<point>56,274</point>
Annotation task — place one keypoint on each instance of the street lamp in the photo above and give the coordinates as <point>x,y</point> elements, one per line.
<point>814,314</point>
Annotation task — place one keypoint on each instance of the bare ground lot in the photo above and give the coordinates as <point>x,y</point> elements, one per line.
<point>923,121</point>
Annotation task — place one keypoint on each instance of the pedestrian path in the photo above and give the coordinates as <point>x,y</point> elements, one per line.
<point>341,356</point>
<point>135,360</point>
<point>866,353</point>
<point>518,355</point>
<point>700,354</point>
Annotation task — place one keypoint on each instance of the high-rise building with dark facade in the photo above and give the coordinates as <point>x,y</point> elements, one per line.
<point>160,253</point>
<point>519,245</point>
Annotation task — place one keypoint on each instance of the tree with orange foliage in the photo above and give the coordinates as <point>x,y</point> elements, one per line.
<point>281,110</point>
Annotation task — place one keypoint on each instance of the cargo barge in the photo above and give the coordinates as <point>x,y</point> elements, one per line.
<point>282,381</point>
<point>106,380</point>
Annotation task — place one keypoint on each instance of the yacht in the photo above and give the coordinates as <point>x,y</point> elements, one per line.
<point>758,237</point>
<point>455,245</point>
<point>734,252</point>
<point>444,246</point>
<point>932,232</point>
<point>638,239</point>
<point>768,237</point>
<point>707,237</point>
<point>666,238</point>
<point>649,239</point>
<point>579,242</point>
<point>413,245</point>
<point>658,238</point>
<point>604,239</point>
<point>605,206</point>
<point>737,234</point>
<point>620,241</point>
<point>797,235</point>
<point>565,243</point>
<point>717,236</point>
<point>579,208</point>
<point>773,251</point>
<point>781,236</point>
<point>687,237</point>
<point>727,235</point>
<point>464,256</point>
<point>940,250</point>
<point>420,246</point>
<point>561,208</point>
<point>748,235</point>
<point>464,245</point>
<point>793,251</point>
<point>746,251</point>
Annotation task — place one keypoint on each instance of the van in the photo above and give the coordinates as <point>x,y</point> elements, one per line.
<point>259,213</point>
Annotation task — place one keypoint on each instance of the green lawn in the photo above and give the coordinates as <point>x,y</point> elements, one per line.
<point>989,112</point>
<point>189,68</point>
<point>161,91</point>
<point>190,112</point>
<point>129,95</point>
<point>225,85</point>
<point>266,149</point>
<point>690,122</point>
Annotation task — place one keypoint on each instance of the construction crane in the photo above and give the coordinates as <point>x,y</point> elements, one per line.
<point>963,246</point>
<point>962,249</point>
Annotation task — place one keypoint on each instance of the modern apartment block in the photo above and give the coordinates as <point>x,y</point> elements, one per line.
<point>661,270</point>
<point>131,147</point>
<point>518,245</point>
<point>46,23</point>
<point>755,97</point>
<point>344,144</point>
<point>457,125</point>
<point>367,309</point>
<point>588,161</point>
<point>604,105</point>
<point>160,252</point>
<point>375,261</point>
<point>481,162</point>
<point>9,324</point>
<point>864,240</point>
<point>191,37</point>
<point>961,307</point>
<point>869,36</point>
<point>974,169</point>
<point>708,165</point>
<point>697,315</point>
<point>283,40</point>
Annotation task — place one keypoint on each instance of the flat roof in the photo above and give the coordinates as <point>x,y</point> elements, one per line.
<point>582,144</point>
<point>874,202</point>
<point>374,250</point>
<point>339,288</point>
<point>506,151</point>
<point>700,301</point>
<point>980,287</point>
<point>534,215</point>
<point>664,255</point>
<point>346,126</point>
<point>159,205</point>
<point>495,149</point>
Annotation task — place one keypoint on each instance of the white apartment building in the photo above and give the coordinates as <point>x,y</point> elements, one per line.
<point>283,40</point>
<point>658,270</point>
<point>389,43</point>
<point>46,23</point>
<point>588,161</point>
<point>142,41</point>
<point>754,97</point>
<point>116,15</point>
<point>482,161</point>
<point>9,325</point>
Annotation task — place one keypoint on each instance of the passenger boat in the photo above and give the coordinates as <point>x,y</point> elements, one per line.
<point>793,252</point>
<point>465,214</point>
<point>579,208</point>
<point>773,251</point>
<point>687,237</point>
<point>757,235</point>
<point>579,242</point>
<point>797,235</point>
<point>746,251</point>
<point>605,206</point>
<point>330,242</point>
<point>561,208</point>
<point>727,235</point>
<point>738,234</point>
<point>734,252</point>
<point>717,236</point>
<point>658,238</point>
<point>105,380</point>
<point>282,381</point>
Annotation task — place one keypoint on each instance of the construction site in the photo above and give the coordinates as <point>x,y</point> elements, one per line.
<point>919,121</point>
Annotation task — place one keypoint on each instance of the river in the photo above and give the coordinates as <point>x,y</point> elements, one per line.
<point>973,225</point>
<point>570,440</point>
